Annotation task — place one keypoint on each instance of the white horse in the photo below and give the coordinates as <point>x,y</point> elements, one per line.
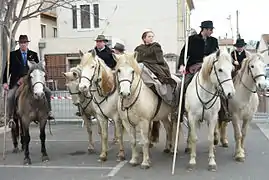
<point>203,102</point>
<point>72,81</point>
<point>97,80</point>
<point>249,79</point>
<point>138,106</point>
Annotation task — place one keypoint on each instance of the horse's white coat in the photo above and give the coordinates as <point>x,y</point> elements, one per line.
<point>38,81</point>
<point>142,105</point>
<point>245,102</point>
<point>217,65</point>
<point>104,106</point>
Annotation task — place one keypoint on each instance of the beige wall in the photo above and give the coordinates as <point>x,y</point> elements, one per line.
<point>127,23</point>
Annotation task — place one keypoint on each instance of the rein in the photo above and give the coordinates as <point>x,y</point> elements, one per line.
<point>218,93</point>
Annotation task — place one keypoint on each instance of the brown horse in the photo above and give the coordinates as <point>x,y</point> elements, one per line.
<point>32,106</point>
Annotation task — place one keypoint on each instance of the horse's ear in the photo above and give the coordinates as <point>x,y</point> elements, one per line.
<point>115,57</point>
<point>30,64</point>
<point>93,53</point>
<point>218,53</point>
<point>80,53</point>
<point>43,64</point>
<point>75,75</point>
<point>64,74</point>
<point>135,55</point>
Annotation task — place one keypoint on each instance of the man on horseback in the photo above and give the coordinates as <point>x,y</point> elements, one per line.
<point>104,52</point>
<point>200,45</point>
<point>239,54</point>
<point>118,48</point>
<point>150,54</point>
<point>17,70</point>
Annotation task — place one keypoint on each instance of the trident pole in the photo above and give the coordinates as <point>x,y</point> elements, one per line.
<point>187,30</point>
<point>6,93</point>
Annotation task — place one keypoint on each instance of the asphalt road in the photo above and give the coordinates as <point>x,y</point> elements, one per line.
<point>69,159</point>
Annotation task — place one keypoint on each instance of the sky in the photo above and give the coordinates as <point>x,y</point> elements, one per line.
<point>253,17</point>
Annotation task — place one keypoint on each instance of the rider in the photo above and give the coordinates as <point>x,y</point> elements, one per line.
<point>118,48</point>
<point>104,52</point>
<point>199,46</point>
<point>17,70</point>
<point>239,54</point>
<point>151,55</point>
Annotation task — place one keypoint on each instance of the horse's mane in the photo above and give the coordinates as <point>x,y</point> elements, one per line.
<point>107,83</point>
<point>243,68</point>
<point>130,59</point>
<point>208,61</point>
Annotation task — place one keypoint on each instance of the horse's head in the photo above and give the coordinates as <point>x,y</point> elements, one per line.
<point>254,65</point>
<point>90,70</point>
<point>36,78</point>
<point>217,68</point>
<point>72,81</point>
<point>127,69</point>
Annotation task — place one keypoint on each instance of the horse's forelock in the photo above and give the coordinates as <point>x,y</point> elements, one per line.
<point>207,66</point>
<point>130,59</point>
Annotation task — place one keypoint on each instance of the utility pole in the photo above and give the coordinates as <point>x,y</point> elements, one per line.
<point>237,25</point>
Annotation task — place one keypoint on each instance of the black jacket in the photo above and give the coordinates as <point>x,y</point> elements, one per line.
<point>17,68</point>
<point>197,50</point>
<point>106,55</point>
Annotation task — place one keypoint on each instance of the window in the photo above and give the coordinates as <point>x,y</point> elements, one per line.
<point>54,32</point>
<point>85,16</point>
<point>74,14</point>
<point>73,62</point>
<point>43,31</point>
<point>96,15</point>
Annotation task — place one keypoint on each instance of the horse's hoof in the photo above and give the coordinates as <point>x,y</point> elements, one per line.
<point>216,142</point>
<point>121,158</point>
<point>166,151</point>
<point>239,159</point>
<point>91,151</point>
<point>188,150</point>
<point>102,159</point>
<point>133,163</point>
<point>45,158</point>
<point>225,145</point>
<point>190,167</point>
<point>143,166</point>
<point>27,161</point>
<point>212,168</point>
<point>15,150</point>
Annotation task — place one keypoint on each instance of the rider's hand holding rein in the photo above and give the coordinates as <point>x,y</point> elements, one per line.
<point>182,69</point>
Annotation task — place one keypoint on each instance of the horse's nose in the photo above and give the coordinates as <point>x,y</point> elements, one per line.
<point>230,95</point>
<point>40,94</point>
<point>124,95</point>
<point>82,87</point>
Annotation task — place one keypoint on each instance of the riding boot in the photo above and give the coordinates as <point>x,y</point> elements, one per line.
<point>48,97</point>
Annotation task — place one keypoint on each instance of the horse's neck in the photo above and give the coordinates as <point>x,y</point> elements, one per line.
<point>246,86</point>
<point>207,86</point>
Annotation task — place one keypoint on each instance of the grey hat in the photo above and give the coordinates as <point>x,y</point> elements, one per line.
<point>101,37</point>
<point>119,47</point>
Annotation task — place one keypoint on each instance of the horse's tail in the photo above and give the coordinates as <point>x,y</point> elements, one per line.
<point>155,131</point>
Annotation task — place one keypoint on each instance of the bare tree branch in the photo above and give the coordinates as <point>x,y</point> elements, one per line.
<point>16,26</point>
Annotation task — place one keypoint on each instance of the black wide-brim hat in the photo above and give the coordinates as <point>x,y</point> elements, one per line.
<point>207,24</point>
<point>23,38</point>
<point>240,43</point>
<point>101,38</point>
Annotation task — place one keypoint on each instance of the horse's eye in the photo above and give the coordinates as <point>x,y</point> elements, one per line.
<point>252,66</point>
<point>92,66</point>
<point>220,70</point>
<point>118,70</point>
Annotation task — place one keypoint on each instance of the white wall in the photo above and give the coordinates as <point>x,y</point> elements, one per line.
<point>263,46</point>
<point>128,22</point>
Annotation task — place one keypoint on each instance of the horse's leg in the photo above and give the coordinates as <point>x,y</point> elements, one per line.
<point>239,153</point>
<point>104,137</point>
<point>174,117</point>
<point>216,134</point>
<point>244,132</point>
<point>88,125</point>
<point>223,134</point>
<point>212,166</point>
<point>188,148</point>
<point>192,140</point>
<point>42,136</point>
<point>144,127</point>
<point>168,128</point>
<point>15,131</point>
<point>118,131</point>
<point>22,135</point>
<point>27,138</point>
<point>115,139</point>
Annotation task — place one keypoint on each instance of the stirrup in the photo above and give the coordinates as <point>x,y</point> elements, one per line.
<point>11,124</point>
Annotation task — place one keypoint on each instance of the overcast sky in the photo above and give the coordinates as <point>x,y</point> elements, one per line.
<point>253,17</point>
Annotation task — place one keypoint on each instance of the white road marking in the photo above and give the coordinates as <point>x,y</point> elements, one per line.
<point>57,167</point>
<point>264,127</point>
<point>116,169</point>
